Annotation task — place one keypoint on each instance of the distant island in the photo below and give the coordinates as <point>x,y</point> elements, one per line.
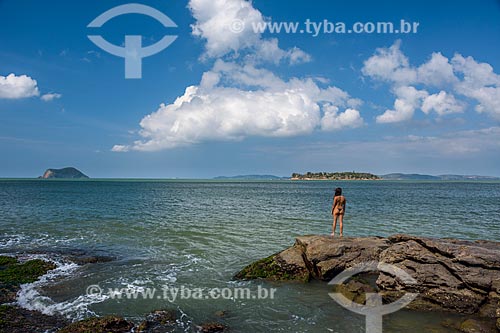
<point>414,176</point>
<point>251,177</point>
<point>335,176</point>
<point>64,173</point>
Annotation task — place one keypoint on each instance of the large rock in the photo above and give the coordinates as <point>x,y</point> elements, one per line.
<point>452,275</point>
<point>64,173</point>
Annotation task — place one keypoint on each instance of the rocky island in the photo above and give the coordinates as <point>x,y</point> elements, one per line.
<point>451,275</point>
<point>64,173</point>
<point>334,176</point>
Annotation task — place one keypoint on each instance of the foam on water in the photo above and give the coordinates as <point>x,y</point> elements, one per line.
<point>29,296</point>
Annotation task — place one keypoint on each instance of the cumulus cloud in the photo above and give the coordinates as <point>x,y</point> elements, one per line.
<point>408,99</point>
<point>390,64</point>
<point>458,77</point>
<point>15,87</point>
<point>480,83</point>
<point>238,97</point>
<point>233,102</point>
<point>335,120</point>
<point>442,103</point>
<point>50,96</point>
<point>436,72</point>
<point>227,27</point>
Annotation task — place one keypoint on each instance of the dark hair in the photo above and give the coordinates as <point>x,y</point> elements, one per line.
<point>338,191</point>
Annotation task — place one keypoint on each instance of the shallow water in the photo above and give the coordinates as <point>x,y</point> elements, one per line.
<point>198,234</point>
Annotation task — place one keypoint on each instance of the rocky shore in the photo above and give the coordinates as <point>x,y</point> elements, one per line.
<point>14,319</point>
<point>452,275</point>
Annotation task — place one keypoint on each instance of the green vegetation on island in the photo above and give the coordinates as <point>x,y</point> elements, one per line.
<point>335,176</point>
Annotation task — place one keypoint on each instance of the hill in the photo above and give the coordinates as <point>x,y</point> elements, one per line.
<point>415,176</point>
<point>64,173</point>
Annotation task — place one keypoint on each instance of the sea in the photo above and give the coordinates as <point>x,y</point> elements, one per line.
<point>169,237</point>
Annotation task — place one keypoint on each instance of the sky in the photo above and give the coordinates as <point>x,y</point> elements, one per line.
<point>229,96</point>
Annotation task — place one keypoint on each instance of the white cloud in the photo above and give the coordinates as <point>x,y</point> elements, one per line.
<point>480,83</point>
<point>50,96</point>
<point>219,23</point>
<point>390,64</point>
<point>408,99</point>
<point>442,103</point>
<point>238,98</point>
<point>460,77</point>
<point>233,102</point>
<point>120,148</point>
<point>436,72</point>
<point>333,120</point>
<point>15,87</point>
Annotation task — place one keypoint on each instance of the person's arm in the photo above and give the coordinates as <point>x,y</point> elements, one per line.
<point>343,205</point>
<point>333,205</point>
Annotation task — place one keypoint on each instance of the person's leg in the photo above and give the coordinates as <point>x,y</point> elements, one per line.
<point>334,224</point>
<point>341,217</point>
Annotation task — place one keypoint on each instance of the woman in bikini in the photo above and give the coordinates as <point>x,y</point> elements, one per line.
<point>338,210</point>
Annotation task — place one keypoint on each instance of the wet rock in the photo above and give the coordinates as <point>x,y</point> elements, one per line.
<point>354,290</point>
<point>158,321</point>
<point>221,313</point>
<point>108,324</point>
<point>14,273</point>
<point>90,259</point>
<point>477,326</point>
<point>17,320</point>
<point>285,266</point>
<point>212,327</point>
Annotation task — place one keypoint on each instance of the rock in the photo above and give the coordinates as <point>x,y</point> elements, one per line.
<point>14,273</point>
<point>64,173</point>
<point>212,327</point>
<point>14,319</point>
<point>108,324</point>
<point>452,275</point>
<point>285,266</point>
<point>158,321</point>
<point>221,313</point>
<point>477,326</point>
<point>90,259</point>
<point>355,290</point>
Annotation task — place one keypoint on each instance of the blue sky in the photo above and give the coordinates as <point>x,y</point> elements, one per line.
<point>220,102</point>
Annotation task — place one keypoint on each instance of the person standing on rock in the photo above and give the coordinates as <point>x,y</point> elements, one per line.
<point>338,210</point>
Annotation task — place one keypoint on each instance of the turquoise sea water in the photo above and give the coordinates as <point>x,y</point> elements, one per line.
<point>198,234</point>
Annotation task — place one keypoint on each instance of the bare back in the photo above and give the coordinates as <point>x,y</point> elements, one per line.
<point>339,205</point>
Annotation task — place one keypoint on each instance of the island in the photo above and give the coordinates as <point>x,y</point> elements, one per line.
<point>449,275</point>
<point>415,176</point>
<point>335,176</point>
<point>64,173</point>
